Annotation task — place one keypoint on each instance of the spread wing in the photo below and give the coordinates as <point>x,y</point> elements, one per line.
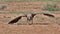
<point>15,20</point>
<point>33,15</point>
<point>50,15</point>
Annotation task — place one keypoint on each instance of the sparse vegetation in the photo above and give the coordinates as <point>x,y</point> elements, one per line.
<point>51,7</point>
<point>15,12</point>
<point>42,19</point>
<point>26,0</point>
<point>20,12</point>
<point>2,7</point>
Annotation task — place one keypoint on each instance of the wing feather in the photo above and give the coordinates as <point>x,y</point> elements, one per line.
<point>15,20</point>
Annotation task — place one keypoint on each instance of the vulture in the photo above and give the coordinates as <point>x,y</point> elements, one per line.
<point>29,17</point>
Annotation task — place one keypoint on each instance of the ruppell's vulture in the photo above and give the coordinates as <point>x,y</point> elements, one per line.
<point>29,17</point>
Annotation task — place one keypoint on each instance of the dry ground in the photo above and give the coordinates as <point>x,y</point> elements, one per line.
<point>14,8</point>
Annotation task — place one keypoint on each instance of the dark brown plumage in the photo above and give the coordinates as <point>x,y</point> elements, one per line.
<point>28,16</point>
<point>15,20</point>
<point>50,15</point>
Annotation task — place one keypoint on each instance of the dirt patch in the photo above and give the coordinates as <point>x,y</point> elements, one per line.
<point>7,15</point>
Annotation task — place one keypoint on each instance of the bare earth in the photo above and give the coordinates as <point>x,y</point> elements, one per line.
<point>9,13</point>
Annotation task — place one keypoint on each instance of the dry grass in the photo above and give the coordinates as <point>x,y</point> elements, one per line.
<point>15,9</point>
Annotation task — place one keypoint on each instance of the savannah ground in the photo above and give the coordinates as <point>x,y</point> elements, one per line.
<point>14,9</point>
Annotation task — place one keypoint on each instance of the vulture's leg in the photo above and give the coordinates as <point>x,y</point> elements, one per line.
<point>15,20</point>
